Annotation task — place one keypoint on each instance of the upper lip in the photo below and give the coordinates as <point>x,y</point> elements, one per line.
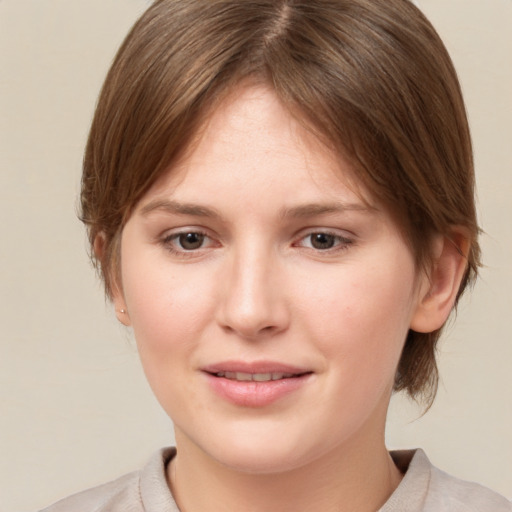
<point>254,367</point>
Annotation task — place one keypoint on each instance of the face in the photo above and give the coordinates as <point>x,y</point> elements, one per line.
<point>269,302</point>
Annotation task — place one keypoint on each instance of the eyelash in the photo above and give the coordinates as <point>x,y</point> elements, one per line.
<point>169,242</point>
<point>341,243</point>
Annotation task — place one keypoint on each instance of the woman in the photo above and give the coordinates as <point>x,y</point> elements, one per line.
<point>279,197</point>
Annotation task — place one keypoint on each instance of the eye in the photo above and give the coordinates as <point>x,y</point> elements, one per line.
<point>190,241</point>
<point>324,241</point>
<point>187,242</point>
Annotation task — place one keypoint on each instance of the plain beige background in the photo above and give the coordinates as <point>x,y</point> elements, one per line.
<point>74,407</point>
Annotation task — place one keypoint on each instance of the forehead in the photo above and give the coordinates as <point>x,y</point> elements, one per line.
<point>249,137</point>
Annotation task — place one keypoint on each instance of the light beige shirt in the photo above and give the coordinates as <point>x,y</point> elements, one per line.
<point>424,488</point>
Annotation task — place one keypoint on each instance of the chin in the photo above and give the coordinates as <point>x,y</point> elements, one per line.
<point>261,451</point>
<point>259,461</point>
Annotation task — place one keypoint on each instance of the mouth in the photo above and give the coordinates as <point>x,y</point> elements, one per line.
<point>256,371</point>
<point>256,384</point>
<point>257,377</point>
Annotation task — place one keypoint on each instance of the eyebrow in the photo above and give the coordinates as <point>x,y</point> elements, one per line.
<point>177,208</point>
<point>301,211</point>
<point>314,209</point>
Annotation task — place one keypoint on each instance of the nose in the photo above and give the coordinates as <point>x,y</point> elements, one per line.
<point>253,303</point>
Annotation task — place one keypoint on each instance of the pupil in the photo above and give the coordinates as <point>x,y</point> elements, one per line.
<point>190,241</point>
<point>322,241</point>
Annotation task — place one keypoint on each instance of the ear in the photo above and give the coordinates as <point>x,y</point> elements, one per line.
<point>439,289</point>
<point>116,290</point>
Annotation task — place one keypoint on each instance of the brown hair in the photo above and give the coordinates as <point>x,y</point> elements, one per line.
<point>370,77</point>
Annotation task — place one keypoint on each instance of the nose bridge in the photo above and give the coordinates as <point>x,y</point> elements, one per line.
<point>253,303</point>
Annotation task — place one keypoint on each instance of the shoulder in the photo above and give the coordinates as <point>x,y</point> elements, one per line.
<point>134,492</point>
<point>460,495</point>
<point>426,488</point>
<point>120,494</point>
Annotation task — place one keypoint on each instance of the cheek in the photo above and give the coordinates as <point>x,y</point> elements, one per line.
<point>361,318</point>
<point>167,312</point>
<point>167,306</point>
<point>361,298</point>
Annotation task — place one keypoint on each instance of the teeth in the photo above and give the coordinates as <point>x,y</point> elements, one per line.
<point>257,377</point>
<point>239,376</point>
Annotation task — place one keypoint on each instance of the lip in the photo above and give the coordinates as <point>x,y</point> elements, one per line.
<point>250,393</point>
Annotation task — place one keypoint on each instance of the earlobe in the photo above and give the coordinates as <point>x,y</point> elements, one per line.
<point>439,289</point>
<point>116,291</point>
<point>120,304</point>
<point>122,315</point>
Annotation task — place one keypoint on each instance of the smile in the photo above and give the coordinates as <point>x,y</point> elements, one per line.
<point>256,377</point>
<point>256,384</point>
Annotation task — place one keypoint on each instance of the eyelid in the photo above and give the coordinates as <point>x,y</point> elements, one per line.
<point>168,237</point>
<point>344,239</point>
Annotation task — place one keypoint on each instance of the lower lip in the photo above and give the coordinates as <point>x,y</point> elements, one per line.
<point>253,393</point>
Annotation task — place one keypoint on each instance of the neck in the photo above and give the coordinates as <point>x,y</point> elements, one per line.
<point>358,477</point>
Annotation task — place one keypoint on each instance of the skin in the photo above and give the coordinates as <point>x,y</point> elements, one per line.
<point>255,285</point>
